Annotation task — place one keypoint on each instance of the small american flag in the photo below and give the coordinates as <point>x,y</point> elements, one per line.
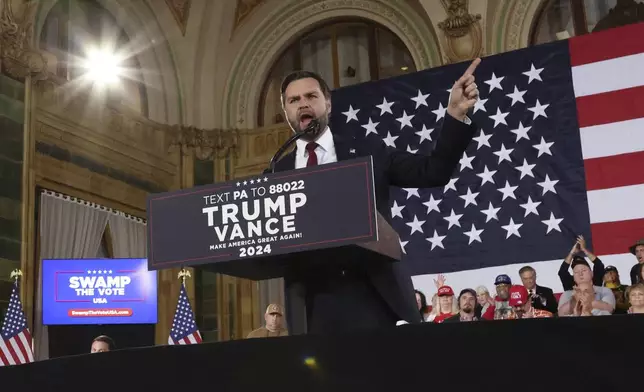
<point>184,328</point>
<point>559,153</point>
<point>15,338</point>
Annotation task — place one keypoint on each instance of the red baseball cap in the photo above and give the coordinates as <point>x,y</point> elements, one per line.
<point>445,290</point>
<point>518,295</point>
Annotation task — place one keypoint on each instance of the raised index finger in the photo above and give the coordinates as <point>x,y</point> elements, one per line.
<point>472,67</point>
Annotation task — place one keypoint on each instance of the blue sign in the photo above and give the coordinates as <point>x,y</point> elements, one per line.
<point>99,291</point>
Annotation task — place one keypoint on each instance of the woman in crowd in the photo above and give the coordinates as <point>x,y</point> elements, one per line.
<point>486,302</point>
<point>636,298</point>
<point>421,302</point>
<point>447,305</point>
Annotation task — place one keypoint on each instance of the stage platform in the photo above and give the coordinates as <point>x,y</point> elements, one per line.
<point>568,354</point>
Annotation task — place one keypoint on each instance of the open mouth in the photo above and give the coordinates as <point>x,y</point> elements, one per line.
<point>305,119</point>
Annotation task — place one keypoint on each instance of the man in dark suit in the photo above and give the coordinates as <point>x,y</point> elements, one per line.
<point>353,296</point>
<point>542,297</point>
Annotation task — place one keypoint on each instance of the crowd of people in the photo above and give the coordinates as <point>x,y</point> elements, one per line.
<point>591,290</point>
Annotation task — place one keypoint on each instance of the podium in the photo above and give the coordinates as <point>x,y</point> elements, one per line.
<point>265,226</point>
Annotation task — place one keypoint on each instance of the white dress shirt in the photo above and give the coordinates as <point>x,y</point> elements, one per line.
<point>325,150</point>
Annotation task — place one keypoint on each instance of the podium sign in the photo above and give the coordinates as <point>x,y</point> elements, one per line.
<point>264,216</point>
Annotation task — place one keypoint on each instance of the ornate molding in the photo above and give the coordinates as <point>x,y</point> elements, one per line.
<point>518,17</point>
<point>204,143</point>
<point>17,58</point>
<point>463,32</point>
<point>181,11</point>
<point>256,148</point>
<point>243,9</point>
<point>459,21</point>
<point>253,64</point>
<point>512,24</point>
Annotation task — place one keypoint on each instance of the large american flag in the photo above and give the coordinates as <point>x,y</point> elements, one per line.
<point>559,153</point>
<point>184,327</point>
<point>15,338</point>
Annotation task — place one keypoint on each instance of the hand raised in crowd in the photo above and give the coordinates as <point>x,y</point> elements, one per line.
<point>582,243</point>
<point>575,249</point>
<point>439,281</point>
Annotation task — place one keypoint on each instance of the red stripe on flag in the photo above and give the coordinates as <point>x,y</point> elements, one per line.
<point>22,348</point>
<point>613,106</point>
<point>3,358</point>
<point>605,45</point>
<point>614,171</point>
<point>12,351</point>
<point>616,237</point>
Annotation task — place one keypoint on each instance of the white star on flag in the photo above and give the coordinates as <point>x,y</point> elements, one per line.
<point>390,140</point>
<point>436,240</point>
<point>453,219</point>
<point>420,99</point>
<point>396,210</point>
<point>352,114</point>
<point>512,229</point>
<point>495,82</point>
<point>416,225</point>
<point>405,120</point>
<point>543,147</point>
<point>473,234</point>
<point>504,154</point>
<point>385,107</point>
<point>531,207</point>
<point>552,223</point>
<point>521,132</point>
<point>482,140</point>
<point>425,134</point>
<point>539,110</point>
<point>432,204</point>
<point>466,161</point>
<point>499,117</point>
<point>411,192</point>
<point>533,74</point>
<point>370,127</point>
<point>486,176</point>
<point>516,96</point>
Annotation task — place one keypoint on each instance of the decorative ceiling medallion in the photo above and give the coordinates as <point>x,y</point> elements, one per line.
<point>180,10</point>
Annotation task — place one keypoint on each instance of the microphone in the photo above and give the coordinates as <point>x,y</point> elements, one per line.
<point>312,129</point>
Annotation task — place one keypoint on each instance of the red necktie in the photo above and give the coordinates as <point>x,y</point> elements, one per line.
<point>313,158</point>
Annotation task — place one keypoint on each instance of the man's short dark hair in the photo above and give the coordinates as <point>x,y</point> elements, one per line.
<point>297,75</point>
<point>107,340</point>
<point>576,260</point>
<point>527,268</point>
